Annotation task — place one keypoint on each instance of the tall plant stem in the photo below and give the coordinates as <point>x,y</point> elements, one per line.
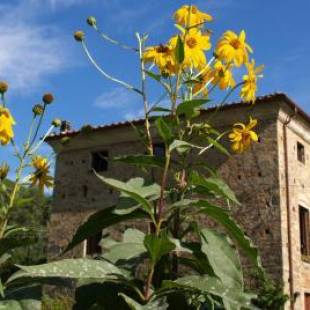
<point>149,282</point>
<point>144,97</point>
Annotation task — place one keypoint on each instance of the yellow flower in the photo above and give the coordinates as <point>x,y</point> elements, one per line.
<point>162,56</point>
<point>41,175</point>
<point>242,135</point>
<point>249,88</point>
<point>220,75</point>
<point>189,16</point>
<point>195,45</point>
<point>233,48</point>
<point>4,170</point>
<point>6,126</point>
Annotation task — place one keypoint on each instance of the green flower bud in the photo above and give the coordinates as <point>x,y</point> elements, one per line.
<point>38,109</point>
<point>3,87</point>
<point>79,36</point>
<point>56,122</point>
<point>91,21</point>
<point>48,98</point>
<point>4,170</point>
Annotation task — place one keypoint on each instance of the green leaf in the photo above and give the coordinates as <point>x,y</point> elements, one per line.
<point>222,217</point>
<point>218,146</point>
<point>179,51</point>
<point>99,221</point>
<point>181,146</point>
<point>223,258</point>
<point>131,246</point>
<point>164,130</point>
<point>142,160</point>
<point>158,246</point>
<point>15,241</point>
<point>22,298</point>
<point>153,304</point>
<point>232,297</point>
<point>213,185</point>
<point>79,268</point>
<point>188,108</point>
<point>135,189</point>
<point>152,75</point>
<point>160,109</point>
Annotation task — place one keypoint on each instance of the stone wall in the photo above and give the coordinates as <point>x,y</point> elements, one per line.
<point>299,193</point>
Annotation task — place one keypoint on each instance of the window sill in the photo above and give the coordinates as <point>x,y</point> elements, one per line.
<point>305,258</point>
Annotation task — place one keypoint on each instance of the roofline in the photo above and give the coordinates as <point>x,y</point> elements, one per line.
<point>232,105</point>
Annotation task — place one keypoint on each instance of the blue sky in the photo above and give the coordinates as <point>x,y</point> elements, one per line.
<point>38,53</point>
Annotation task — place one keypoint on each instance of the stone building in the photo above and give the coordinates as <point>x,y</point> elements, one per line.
<point>272,181</point>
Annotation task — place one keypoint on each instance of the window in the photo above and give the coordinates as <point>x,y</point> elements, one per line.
<point>304,223</point>
<point>300,152</point>
<point>92,244</point>
<point>99,161</point>
<point>159,149</point>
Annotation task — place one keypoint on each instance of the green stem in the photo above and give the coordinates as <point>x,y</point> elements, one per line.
<point>144,97</point>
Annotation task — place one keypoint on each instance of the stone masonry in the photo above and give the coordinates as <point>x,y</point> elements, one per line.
<point>269,181</point>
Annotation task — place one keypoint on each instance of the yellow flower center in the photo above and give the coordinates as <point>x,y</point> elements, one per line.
<point>236,44</point>
<point>191,42</point>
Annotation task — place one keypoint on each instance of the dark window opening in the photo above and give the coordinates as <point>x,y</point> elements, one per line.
<point>159,149</point>
<point>100,161</point>
<point>304,223</point>
<point>300,152</point>
<point>85,191</point>
<point>92,244</point>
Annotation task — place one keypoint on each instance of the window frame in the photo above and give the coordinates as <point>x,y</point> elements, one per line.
<point>304,231</point>
<point>301,152</point>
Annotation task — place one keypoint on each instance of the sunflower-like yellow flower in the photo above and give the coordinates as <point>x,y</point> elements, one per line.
<point>233,48</point>
<point>249,88</point>
<point>242,135</point>
<point>6,126</point>
<point>195,45</point>
<point>41,175</point>
<point>189,16</point>
<point>162,56</point>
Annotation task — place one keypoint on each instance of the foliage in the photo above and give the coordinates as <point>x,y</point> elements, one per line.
<point>176,261</point>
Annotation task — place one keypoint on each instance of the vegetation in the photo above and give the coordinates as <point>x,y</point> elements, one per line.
<point>176,263</point>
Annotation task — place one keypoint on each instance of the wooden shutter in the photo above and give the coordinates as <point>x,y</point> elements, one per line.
<point>304,222</point>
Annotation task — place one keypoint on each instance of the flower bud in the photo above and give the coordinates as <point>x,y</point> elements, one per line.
<point>56,122</point>
<point>3,87</point>
<point>38,109</point>
<point>79,36</point>
<point>48,98</point>
<point>91,21</point>
<point>4,170</point>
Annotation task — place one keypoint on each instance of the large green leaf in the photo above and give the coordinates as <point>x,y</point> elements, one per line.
<point>142,160</point>
<point>131,246</point>
<point>79,268</point>
<point>223,258</point>
<point>158,246</point>
<point>135,189</point>
<point>213,185</point>
<point>22,298</point>
<point>232,297</point>
<point>100,220</point>
<point>189,107</point>
<point>222,217</point>
<point>153,304</point>
<point>164,130</point>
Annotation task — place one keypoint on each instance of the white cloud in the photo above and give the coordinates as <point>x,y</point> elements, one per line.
<point>30,51</point>
<point>116,98</point>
